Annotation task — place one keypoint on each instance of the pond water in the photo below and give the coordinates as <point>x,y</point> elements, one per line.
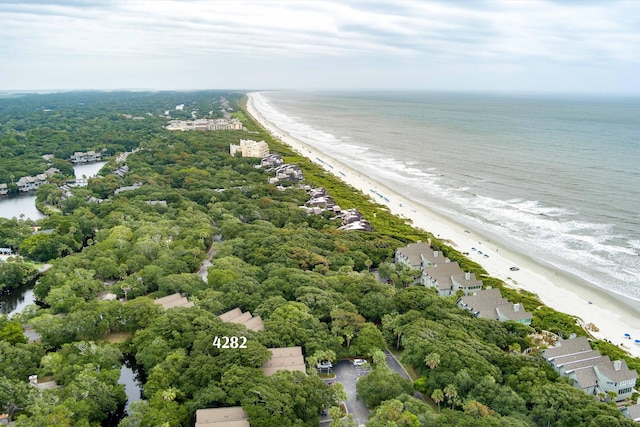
<point>20,206</point>
<point>87,170</point>
<point>16,300</point>
<point>25,204</point>
<point>131,383</point>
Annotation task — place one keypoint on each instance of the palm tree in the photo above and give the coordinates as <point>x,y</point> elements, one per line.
<point>432,360</point>
<point>437,396</point>
<point>451,393</point>
<point>169,394</point>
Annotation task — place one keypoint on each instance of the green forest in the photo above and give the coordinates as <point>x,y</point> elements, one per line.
<point>336,294</point>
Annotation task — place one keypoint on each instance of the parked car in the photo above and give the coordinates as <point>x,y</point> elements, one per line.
<point>324,365</point>
<point>359,362</point>
<point>514,268</point>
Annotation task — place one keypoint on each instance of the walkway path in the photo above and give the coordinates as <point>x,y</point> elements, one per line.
<point>202,271</point>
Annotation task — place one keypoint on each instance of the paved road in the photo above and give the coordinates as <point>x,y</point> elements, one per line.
<point>393,363</point>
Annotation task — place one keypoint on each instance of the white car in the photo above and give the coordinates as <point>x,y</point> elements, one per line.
<point>324,365</point>
<point>359,362</point>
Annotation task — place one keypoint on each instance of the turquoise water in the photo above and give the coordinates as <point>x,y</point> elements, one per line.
<point>554,177</point>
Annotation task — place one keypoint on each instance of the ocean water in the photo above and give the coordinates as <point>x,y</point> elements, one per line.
<point>556,178</point>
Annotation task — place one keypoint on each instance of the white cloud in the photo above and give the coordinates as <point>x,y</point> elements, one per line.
<point>428,34</point>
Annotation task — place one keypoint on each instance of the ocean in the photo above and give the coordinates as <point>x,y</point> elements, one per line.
<point>553,177</point>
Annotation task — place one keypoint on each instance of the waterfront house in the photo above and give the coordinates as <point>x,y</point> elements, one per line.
<point>85,157</point>
<point>4,190</point>
<point>52,171</point>
<point>489,304</point>
<point>26,183</point>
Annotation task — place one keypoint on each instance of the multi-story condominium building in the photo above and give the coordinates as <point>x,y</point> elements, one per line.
<point>249,148</point>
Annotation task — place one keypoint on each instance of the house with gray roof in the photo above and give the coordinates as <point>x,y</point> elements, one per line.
<point>412,255</point>
<point>4,190</point>
<point>589,370</point>
<point>632,412</point>
<point>489,304</point>
<point>437,271</point>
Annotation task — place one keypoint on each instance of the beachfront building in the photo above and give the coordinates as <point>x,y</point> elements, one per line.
<point>436,270</point>
<point>285,358</point>
<point>352,219</point>
<point>271,161</point>
<point>287,172</point>
<point>489,304</point>
<point>590,371</point>
<point>250,148</point>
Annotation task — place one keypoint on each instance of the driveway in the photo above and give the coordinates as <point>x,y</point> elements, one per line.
<point>348,375</point>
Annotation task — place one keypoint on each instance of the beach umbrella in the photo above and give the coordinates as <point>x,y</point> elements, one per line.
<point>637,341</point>
<point>627,335</point>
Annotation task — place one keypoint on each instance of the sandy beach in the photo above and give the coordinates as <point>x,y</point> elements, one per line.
<point>554,288</point>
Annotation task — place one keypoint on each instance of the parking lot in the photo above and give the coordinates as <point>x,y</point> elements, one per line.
<point>348,376</point>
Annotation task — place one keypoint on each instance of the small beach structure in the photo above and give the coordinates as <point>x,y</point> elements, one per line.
<point>284,358</point>
<point>174,300</point>
<point>233,416</point>
<point>589,370</point>
<point>237,316</point>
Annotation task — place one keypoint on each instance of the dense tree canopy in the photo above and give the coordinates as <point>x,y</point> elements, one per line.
<point>334,293</point>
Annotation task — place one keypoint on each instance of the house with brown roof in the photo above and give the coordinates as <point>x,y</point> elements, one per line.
<point>237,316</point>
<point>174,300</point>
<point>284,358</point>
<point>234,416</point>
<point>489,304</point>
<point>589,370</point>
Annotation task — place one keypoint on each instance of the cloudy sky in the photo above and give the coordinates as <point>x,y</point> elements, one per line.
<point>510,45</point>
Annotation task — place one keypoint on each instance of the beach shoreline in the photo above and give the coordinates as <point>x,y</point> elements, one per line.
<point>556,289</point>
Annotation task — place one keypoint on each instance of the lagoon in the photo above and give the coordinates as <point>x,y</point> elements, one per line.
<point>24,205</point>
